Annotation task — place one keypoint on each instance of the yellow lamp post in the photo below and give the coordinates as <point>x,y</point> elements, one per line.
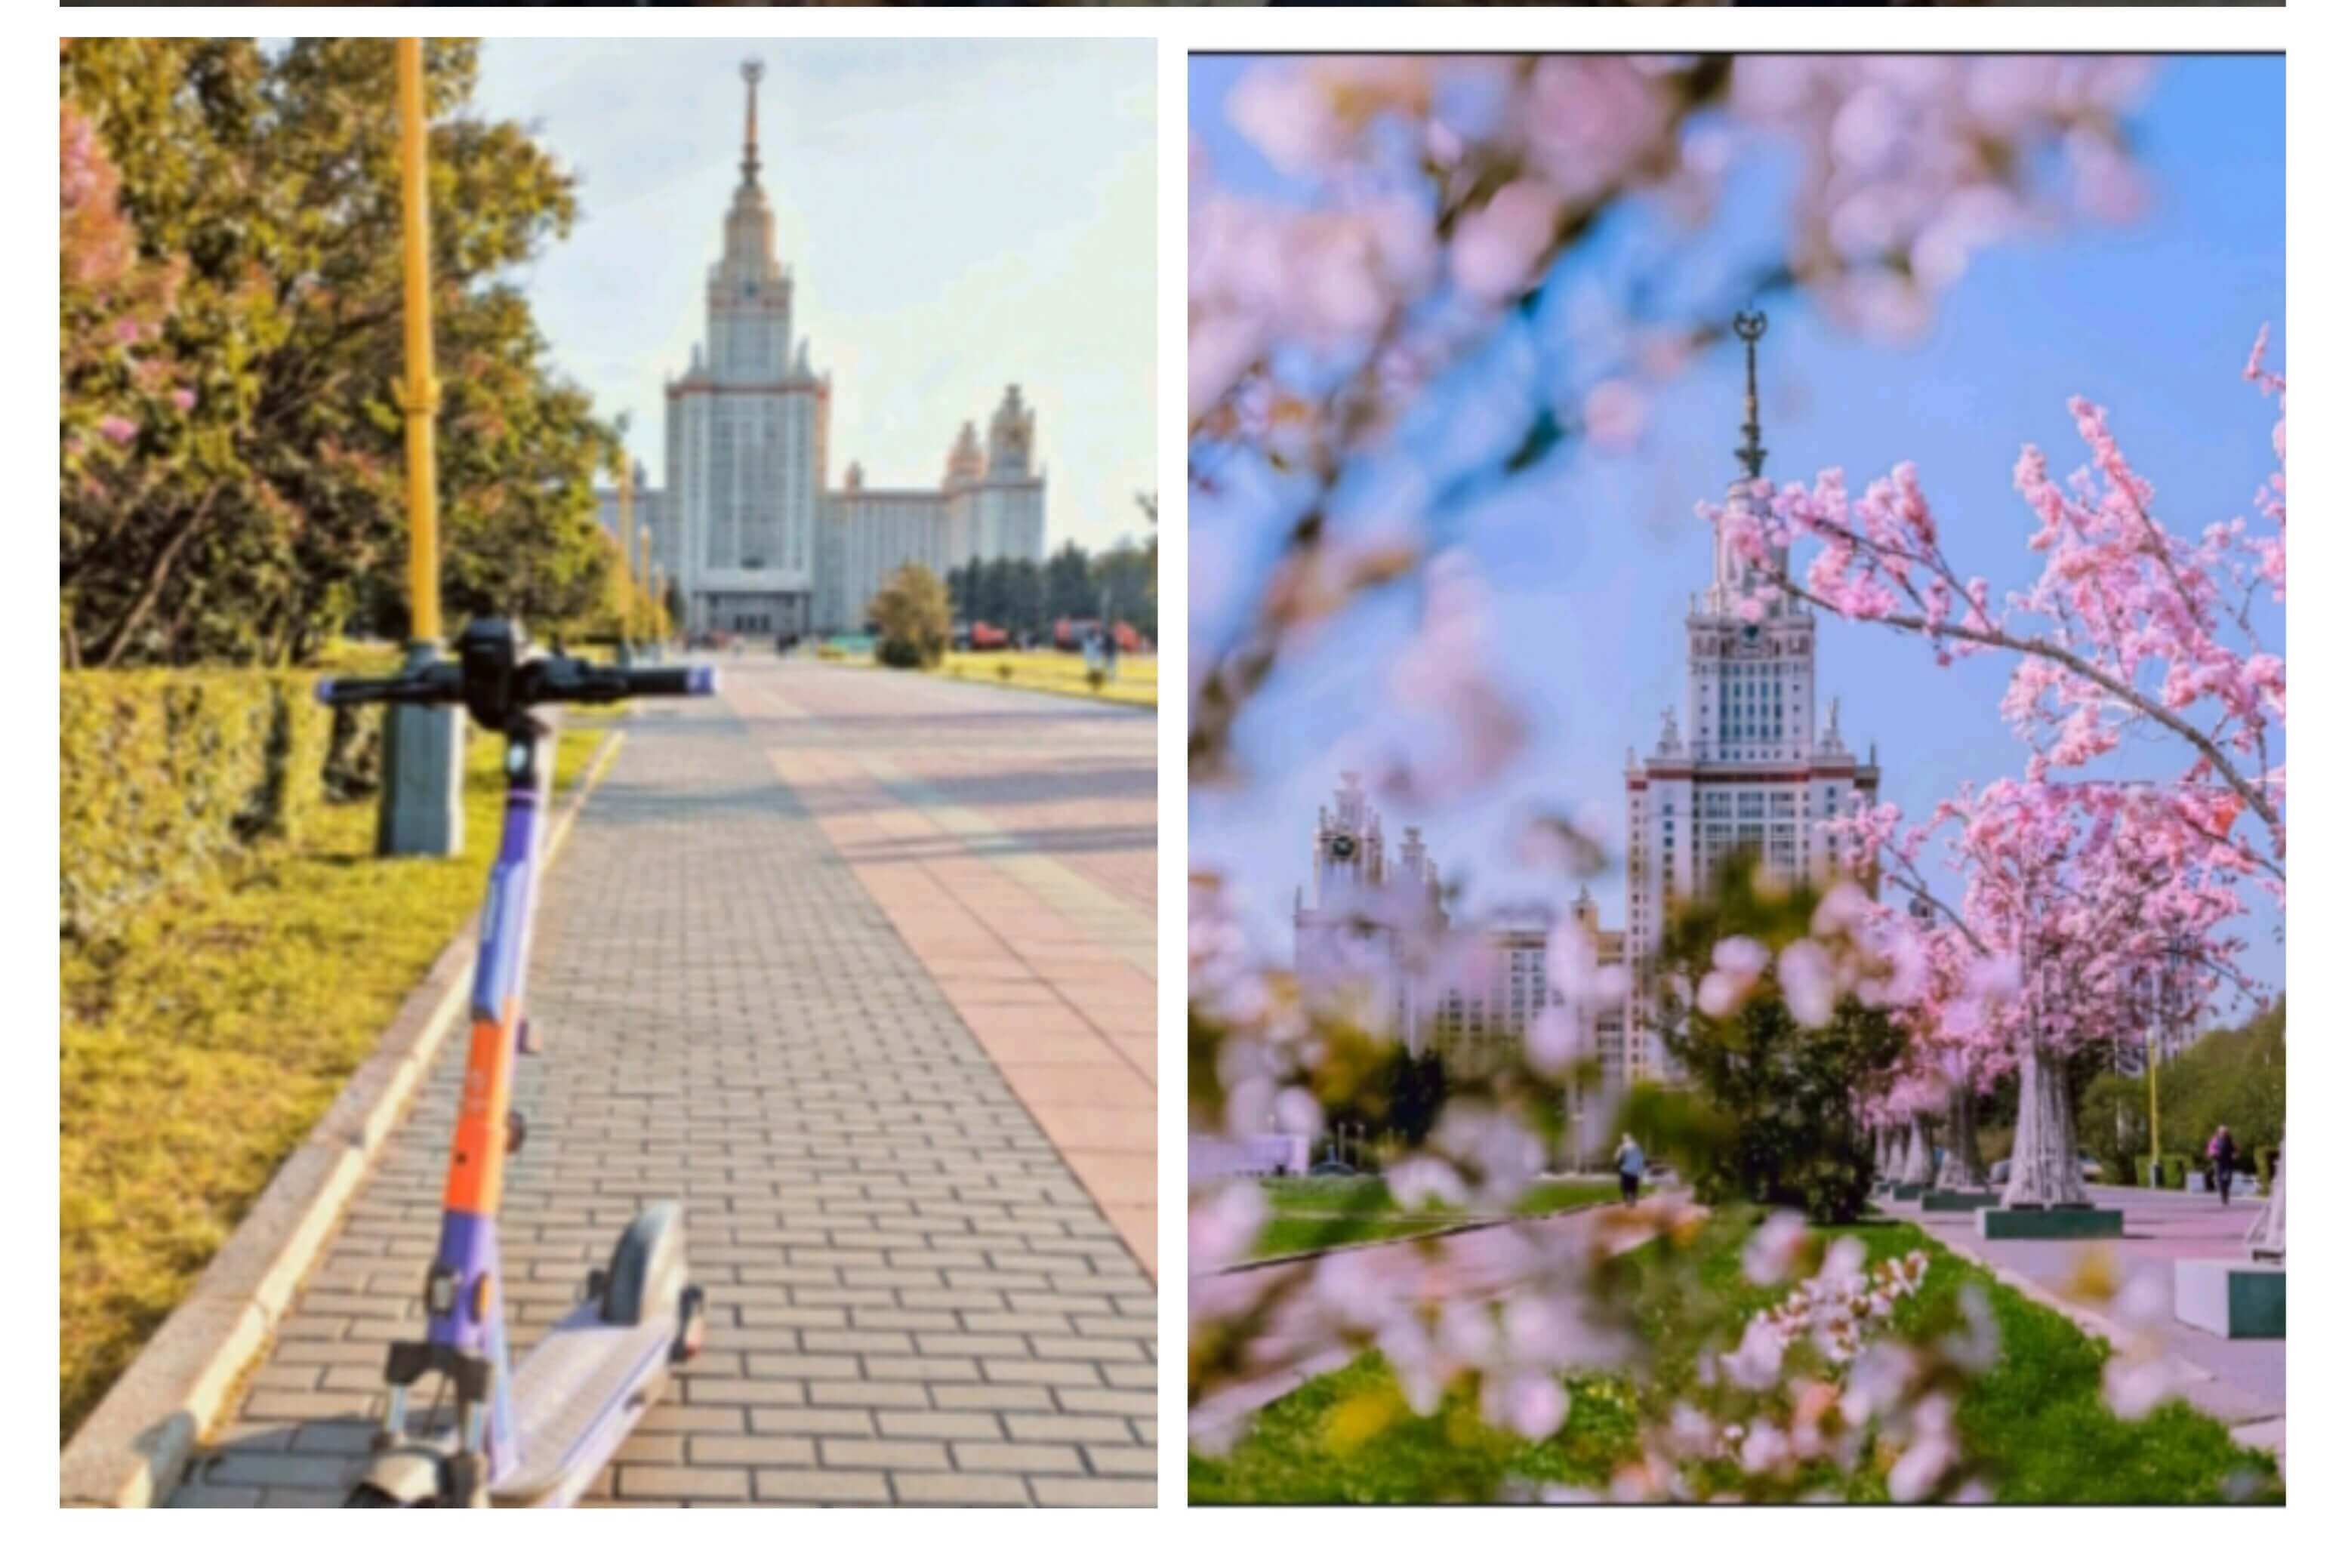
<point>643,582</point>
<point>627,613</point>
<point>424,749</point>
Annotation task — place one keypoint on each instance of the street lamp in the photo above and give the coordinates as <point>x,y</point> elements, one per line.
<point>626,534</point>
<point>2170,1023</point>
<point>643,584</point>
<point>422,807</point>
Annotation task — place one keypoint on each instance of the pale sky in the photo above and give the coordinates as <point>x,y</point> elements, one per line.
<point>957,215</point>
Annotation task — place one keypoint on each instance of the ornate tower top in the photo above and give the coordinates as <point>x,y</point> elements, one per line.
<point>1750,326</point>
<point>753,71</point>
<point>748,275</point>
<point>1732,578</point>
<point>1009,438</point>
<point>965,464</point>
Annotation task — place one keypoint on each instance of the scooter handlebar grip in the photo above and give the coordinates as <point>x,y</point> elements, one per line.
<point>678,680</point>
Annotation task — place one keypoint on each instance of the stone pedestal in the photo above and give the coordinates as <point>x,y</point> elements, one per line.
<point>1954,1200</point>
<point>2232,1299</point>
<point>422,807</point>
<point>2079,1224</point>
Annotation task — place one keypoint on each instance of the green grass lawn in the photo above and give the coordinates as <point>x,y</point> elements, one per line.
<point>1049,671</point>
<point>201,1046</point>
<point>2034,1421</point>
<point>1311,1212</point>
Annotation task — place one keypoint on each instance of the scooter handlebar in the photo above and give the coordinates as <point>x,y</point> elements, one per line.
<point>545,680</point>
<point>432,683</point>
<point>673,681</point>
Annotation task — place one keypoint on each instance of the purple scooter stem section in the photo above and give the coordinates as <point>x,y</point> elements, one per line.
<point>474,1324</point>
<point>505,917</point>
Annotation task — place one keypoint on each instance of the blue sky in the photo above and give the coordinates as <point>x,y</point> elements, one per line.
<point>959,215</point>
<point>1593,556</point>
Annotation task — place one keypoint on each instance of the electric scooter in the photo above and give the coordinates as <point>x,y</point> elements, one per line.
<point>535,1436</point>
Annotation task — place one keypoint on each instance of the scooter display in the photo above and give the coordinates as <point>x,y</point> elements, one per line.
<point>534,1435</point>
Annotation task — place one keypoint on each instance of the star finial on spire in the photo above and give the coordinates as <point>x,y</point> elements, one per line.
<point>752,72</point>
<point>1750,326</point>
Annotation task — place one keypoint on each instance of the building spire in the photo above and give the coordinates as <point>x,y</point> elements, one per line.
<point>1750,326</point>
<point>752,72</point>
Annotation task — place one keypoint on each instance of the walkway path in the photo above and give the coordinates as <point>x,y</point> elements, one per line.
<point>2241,1383</point>
<point>913,1297</point>
<point>1011,838</point>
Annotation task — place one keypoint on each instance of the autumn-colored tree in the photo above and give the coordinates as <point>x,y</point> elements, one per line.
<point>914,617</point>
<point>233,488</point>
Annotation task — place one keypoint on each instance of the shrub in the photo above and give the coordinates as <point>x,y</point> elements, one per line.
<point>2266,1159</point>
<point>915,619</point>
<point>2174,1171</point>
<point>1775,1121</point>
<point>2141,1172</point>
<point>162,774</point>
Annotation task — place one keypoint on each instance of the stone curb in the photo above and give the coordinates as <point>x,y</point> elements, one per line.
<point>129,1451</point>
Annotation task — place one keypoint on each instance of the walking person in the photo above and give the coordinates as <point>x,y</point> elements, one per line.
<point>2223,1154</point>
<point>1628,1159</point>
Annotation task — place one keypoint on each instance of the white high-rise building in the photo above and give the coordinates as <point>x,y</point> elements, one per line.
<point>746,526</point>
<point>1756,770</point>
<point>1754,773</point>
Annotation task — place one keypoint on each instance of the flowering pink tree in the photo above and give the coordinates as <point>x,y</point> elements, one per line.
<point>2069,891</point>
<point>2130,632</point>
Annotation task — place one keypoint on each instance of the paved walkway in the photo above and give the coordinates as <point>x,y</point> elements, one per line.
<point>2243,1383</point>
<point>913,1297</point>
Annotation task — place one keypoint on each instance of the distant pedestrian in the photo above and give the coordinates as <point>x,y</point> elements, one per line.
<point>2223,1154</point>
<point>1629,1161</point>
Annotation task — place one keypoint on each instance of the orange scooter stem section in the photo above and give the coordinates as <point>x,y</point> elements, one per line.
<point>476,1173</point>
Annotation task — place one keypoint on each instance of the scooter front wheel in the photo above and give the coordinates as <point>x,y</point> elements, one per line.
<point>413,1477</point>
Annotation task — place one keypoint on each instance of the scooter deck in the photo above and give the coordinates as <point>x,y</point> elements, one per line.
<point>576,1397</point>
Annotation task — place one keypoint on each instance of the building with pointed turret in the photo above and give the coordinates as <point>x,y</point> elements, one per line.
<point>746,526</point>
<point>1755,770</point>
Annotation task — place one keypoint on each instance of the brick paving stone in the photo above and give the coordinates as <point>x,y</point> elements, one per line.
<point>897,1258</point>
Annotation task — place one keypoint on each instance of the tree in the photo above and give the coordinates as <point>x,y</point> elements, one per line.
<point>1023,608</point>
<point>2068,891</point>
<point>2228,1077</point>
<point>2130,630</point>
<point>233,485</point>
<point>914,618</point>
<point>1067,592</point>
<point>2112,1120</point>
<point>1127,574</point>
<point>1782,1098</point>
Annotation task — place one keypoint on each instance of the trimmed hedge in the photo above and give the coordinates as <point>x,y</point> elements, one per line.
<point>163,774</point>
